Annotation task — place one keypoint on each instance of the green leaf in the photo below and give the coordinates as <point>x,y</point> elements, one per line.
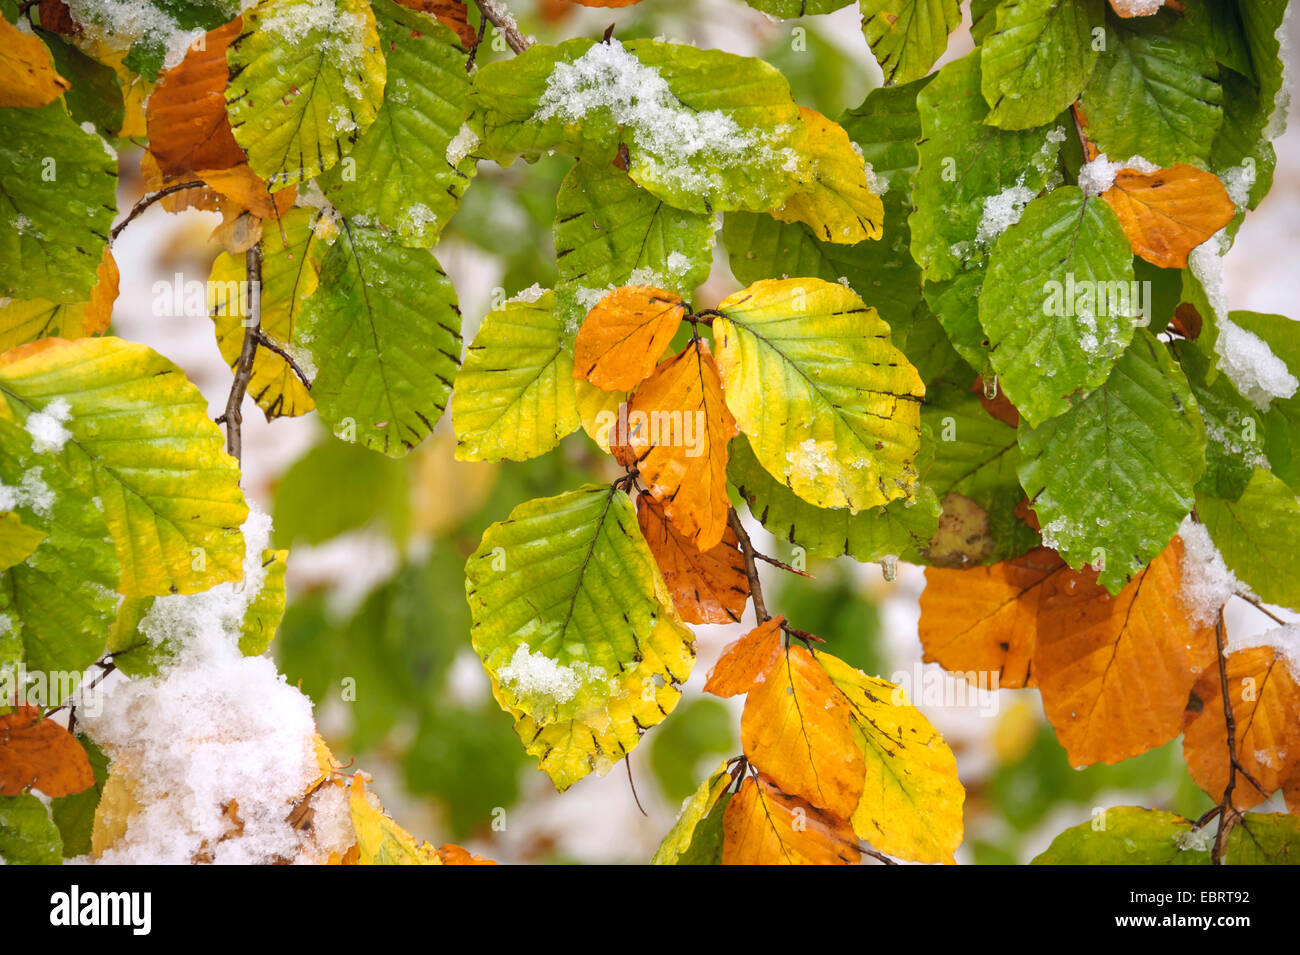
<point>705,130</point>
<point>793,9</point>
<point>291,263</point>
<point>384,330</point>
<point>572,619</point>
<point>1059,303</point>
<point>1155,92</point>
<point>75,815</point>
<point>96,93</point>
<point>1265,839</point>
<point>964,163</point>
<point>59,185</point>
<point>141,442</point>
<point>514,395</point>
<point>17,540</point>
<point>696,835</point>
<point>955,303</point>
<point>811,377</point>
<point>609,232</point>
<point>907,36</point>
<point>1234,435</point>
<point>1281,422</point>
<point>59,600</point>
<point>1111,479</point>
<point>899,529</point>
<point>398,172</point>
<point>1254,101</point>
<point>1037,60</point>
<point>27,834</point>
<point>1255,535</point>
<point>1129,835</point>
<point>976,457</point>
<point>264,613</point>
<point>155,28</point>
<point>307,78</point>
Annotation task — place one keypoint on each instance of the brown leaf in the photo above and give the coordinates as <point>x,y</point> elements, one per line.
<point>1186,321</point>
<point>796,728</point>
<point>679,426</point>
<point>57,18</point>
<point>624,335</point>
<point>764,826</point>
<point>40,754</point>
<point>1266,716</point>
<point>450,13</point>
<point>27,76</point>
<point>1169,212</point>
<point>963,536</point>
<point>186,115</point>
<point>999,406</point>
<point>1115,672</point>
<point>746,661</point>
<point>452,854</point>
<point>707,586</point>
<point>986,618</point>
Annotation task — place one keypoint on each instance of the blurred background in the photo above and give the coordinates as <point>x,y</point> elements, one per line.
<point>377,632</point>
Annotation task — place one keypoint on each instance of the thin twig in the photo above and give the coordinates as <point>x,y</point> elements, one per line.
<point>148,200</point>
<point>478,42</point>
<point>875,854</point>
<point>627,763</point>
<point>234,418</point>
<point>751,566</point>
<point>496,13</point>
<point>272,345</point>
<point>1261,608</point>
<point>783,565</point>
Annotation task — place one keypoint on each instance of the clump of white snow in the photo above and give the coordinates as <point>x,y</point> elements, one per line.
<point>461,145</point>
<point>32,491</point>
<point>118,24</point>
<point>529,295</point>
<point>1137,8</point>
<point>1098,175</point>
<point>1247,360</point>
<point>678,144</point>
<point>1207,581</point>
<point>217,748</point>
<point>1003,210</point>
<point>47,426</point>
<point>536,674</point>
<point>1237,182</point>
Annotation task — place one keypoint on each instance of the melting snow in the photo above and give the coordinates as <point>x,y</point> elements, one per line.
<point>1207,581</point>
<point>47,426</point>
<point>537,674</point>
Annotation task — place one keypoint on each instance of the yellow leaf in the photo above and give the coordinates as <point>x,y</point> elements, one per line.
<point>833,196</point>
<point>380,841</point>
<point>27,77</point>
<point>831,408</point>
<point>912,798</point>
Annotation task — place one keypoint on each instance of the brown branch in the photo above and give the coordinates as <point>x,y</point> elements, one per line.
<point>496,14</point>
<point>148,200</point>
<point>875,854</point>
<point>783,565</point>
<point>234,417</point>
<point>751,566</point>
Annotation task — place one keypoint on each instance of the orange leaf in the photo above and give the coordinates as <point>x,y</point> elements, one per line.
<point>1266,716</point>
<point>27,76</point>
<point>40,754</point>
<point>1169,212</point>
<point>99,310</point>
<point>1291,792</point>
<point>985,618</point>
<point>186,116</point>
<point>624,335</point>
<point>707,586</point>
<point>746,661</point>
<point>1115,672</point>
<point>796,728</point>
<point>679,426</point>
<point>764,826</point>
<point>450,13</point>
<point>452,854</point>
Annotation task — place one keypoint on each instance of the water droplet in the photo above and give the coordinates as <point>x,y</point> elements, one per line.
<point>991,387</point>
<point>889,566</point>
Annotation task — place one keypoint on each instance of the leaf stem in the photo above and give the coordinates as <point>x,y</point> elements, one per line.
<point>751,566</point>
<point>149,199</point>
<point>272,345</point>
<point>1228,815</point>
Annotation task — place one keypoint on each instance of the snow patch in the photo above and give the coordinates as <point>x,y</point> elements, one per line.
<point>536,674</point>
<point>47,427</point>
<point>1284,641</point>
<point>461,145</point>
<point>1207,581</point>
